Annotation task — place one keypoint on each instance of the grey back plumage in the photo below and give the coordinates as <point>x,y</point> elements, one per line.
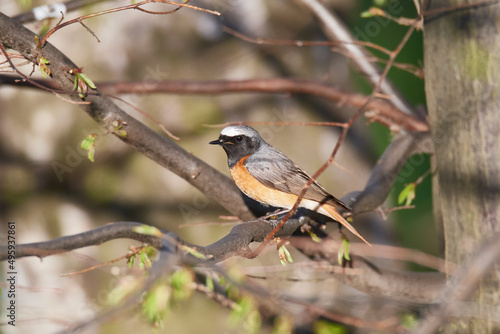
<point>275,170</point>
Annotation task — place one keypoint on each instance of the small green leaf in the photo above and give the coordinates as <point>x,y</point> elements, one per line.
<point>122,133</point>
<point>44,69</point>
<point>209,282</point>
<point>150,251</point>
<point>325,327</point>
<point>91,154</point>
<point>373,11</point>
<point>82,82</point>
<point>366,14</point>
<point>147,260</point>
<point>246,315</point>
<point>343,252</point>
<point>313,236</point>
<point>409,322</point>
<point>44,29</point>
<point>147,230</point>
<point>181,282</point>
<point>193,251</point>
<point>283,325</point>
<point>118,125</point>
<point>407,194</point>
<point>284,255</point>
<point>121,291</point>
<point>155,305</point>
<point>345,245</point>
<point>75,86</point>
<point>230,290</point>
<point>88,144</point>
<point>238,312</point>
<point>380,3</point>
<point>144,254</point>
<point>85,78</point>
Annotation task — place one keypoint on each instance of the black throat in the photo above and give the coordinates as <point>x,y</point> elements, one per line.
<point>239,147</point>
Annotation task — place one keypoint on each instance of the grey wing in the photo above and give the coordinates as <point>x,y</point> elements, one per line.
<point>277,171</point>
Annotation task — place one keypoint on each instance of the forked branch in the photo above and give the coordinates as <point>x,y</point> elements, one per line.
<point>137,6</point>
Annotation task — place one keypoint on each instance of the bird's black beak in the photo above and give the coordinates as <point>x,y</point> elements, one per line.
<point>217,142</point>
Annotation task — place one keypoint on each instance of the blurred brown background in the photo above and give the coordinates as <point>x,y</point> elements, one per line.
<point>38,131</point>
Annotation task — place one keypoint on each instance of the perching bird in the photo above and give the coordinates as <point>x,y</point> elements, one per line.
<point>265,174</point>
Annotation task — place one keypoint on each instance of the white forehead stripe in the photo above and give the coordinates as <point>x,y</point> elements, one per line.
<point>237,130</point>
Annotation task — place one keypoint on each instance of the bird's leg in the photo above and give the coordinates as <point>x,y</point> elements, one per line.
<point>275,213</point>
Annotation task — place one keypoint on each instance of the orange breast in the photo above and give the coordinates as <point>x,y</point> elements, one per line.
<point>259,192</point>
<point>256,190</point>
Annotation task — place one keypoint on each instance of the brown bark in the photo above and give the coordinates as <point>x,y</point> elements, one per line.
<point>462,67</point>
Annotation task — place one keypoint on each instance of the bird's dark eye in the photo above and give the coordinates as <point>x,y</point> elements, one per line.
<point>239,138</point>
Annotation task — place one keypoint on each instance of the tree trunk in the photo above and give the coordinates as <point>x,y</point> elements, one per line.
<point>462,73</point>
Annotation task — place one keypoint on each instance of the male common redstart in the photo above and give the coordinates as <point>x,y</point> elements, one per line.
<point>265,174</point>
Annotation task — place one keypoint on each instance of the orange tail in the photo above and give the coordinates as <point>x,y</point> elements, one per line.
<point>332,212</point>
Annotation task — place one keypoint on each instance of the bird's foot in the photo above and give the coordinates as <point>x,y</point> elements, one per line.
<point>275,214</point>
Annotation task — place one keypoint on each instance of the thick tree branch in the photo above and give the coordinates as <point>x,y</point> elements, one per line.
<point>90,238</point>
<point>210,181</point>
<point>233,244</point>
<point>406,286</point>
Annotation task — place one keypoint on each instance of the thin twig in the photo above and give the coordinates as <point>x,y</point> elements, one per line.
<point>336,30</point>
<point>210,224</point>
<point>378,110</point>
<point>25,77</point>
<point>417,71</point>
<point>170,134</point>
<point>330,247</point>
<point>334,44</point>
<point>100,265</point>
<point>122,8</point>
<point>69,6</point>
<point>300,43</point>
<point>397,208</point>
<point>337,124</point>
<point>218,297</point>
<point>339,142</point>
<point>320,266</point>
<point>90,31</point>
<point>388,325</point>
